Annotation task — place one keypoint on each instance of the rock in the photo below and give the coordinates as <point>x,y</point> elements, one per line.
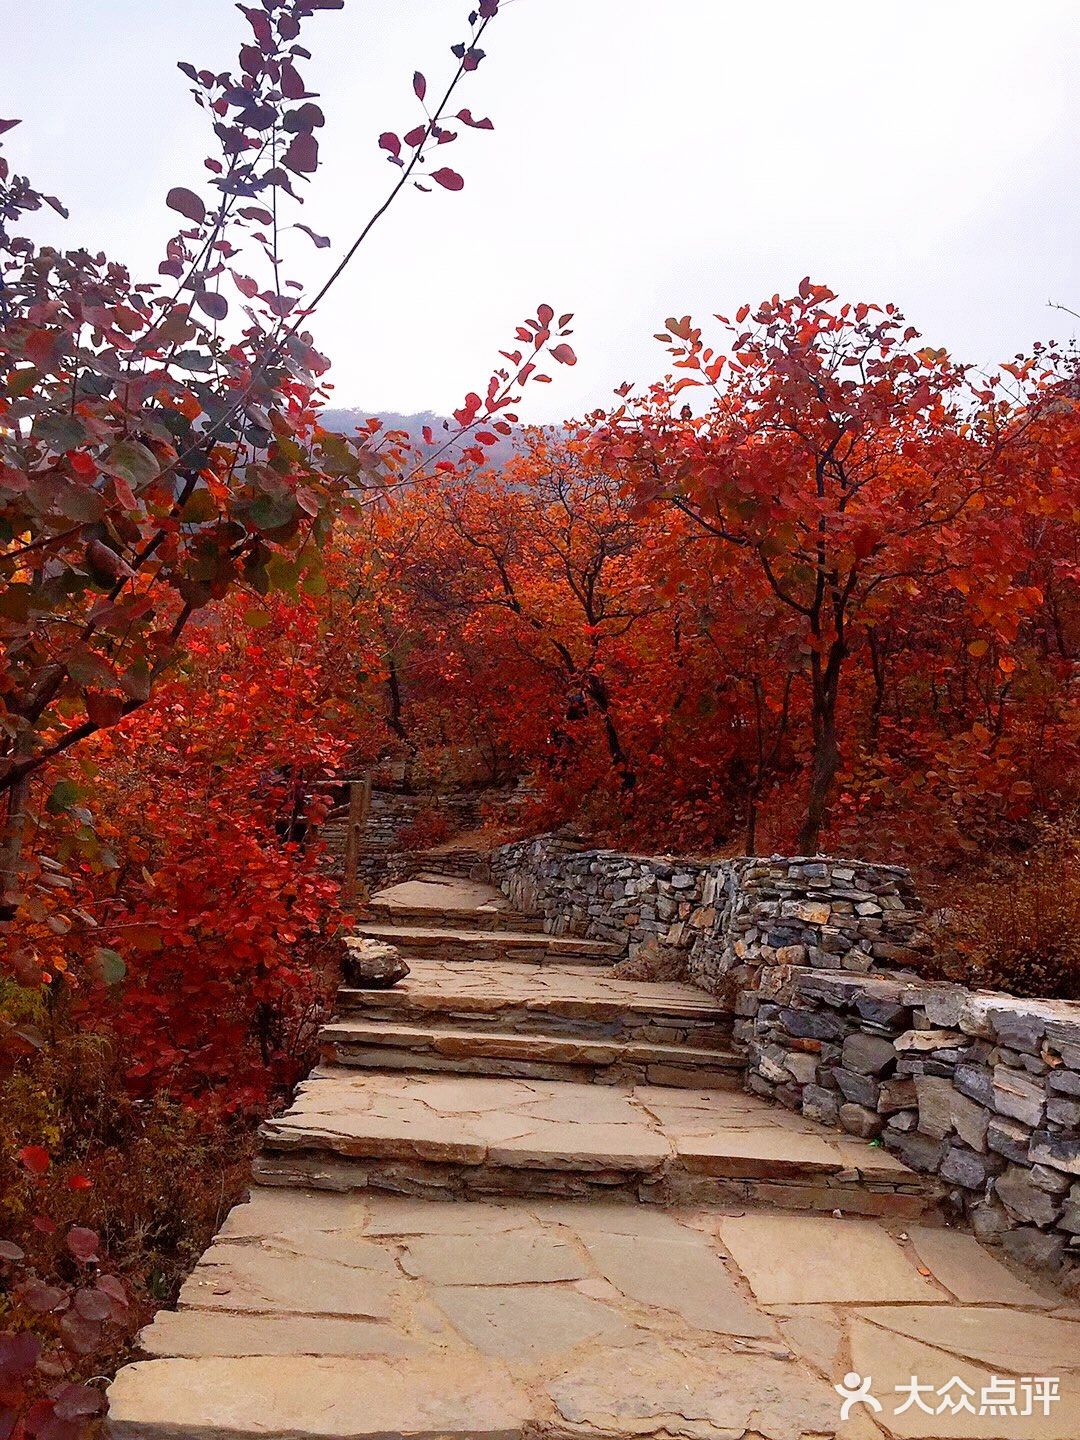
<point>809,1025</point>
<point>896,1094</point>
<point>1065,1082</point>
<point>1054,1182</point>
<point>1024,1199</point>
<point>858,1120</point>
<point>976,1082</point>
<point>1060,1111</point>
<point>372,965</point>
<point>802,1068</point>
<point>1062,1152</point>
<point>968,1168</point>
<point>860,1089</point>
<point>904,1120</point>
<point>970,1120</point>
<point>1018,1030</point>
<point>919,1151</point>
<point>935,1105</point>
<point>943,1006</point>
<point>869,1054</point>
<point>1017,1096</point>
<point>814,912</point>
<point>990,1220</point>
<point>820,1105</point>
<point>924,1040</point>
<point>886,1013</point>
<point>817,1260</point>
<point>963,1266</point>
<point>1008,1138</point>
<point>1035,1248</point>
<point>320,1397</point>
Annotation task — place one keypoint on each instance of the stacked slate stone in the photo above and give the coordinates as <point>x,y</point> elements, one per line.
<point>631,900</point>
<point>980,1089</point>
<point>730,917</point>
<point>829,914</point>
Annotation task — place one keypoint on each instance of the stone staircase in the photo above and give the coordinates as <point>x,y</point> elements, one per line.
<point>451,902</point>
<point>446,1238</point>
<point>442,918</point>
<point>478,1075</point>
<point>502,1018</point>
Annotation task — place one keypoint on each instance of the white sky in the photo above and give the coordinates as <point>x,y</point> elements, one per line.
<point>649,157</point>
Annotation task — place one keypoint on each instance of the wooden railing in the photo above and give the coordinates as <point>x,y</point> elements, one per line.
<point>359,808</point>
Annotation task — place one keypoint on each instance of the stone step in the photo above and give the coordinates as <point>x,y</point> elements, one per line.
<point>381,1044</point>
<point>425,918</point>
<point>581,1001</point>
<point>470,1135</point>
<point>438,943</point>
<point>431,900</point>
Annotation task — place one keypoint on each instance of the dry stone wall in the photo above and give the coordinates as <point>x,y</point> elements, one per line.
<point>730,918</point>
<point>814,956</point>
<point>981,1089</point>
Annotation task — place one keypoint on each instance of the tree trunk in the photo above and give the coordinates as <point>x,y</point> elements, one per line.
<point>12,835</point>
<point>599,695</point>
<point>826,689</point>
<point>826,764</point>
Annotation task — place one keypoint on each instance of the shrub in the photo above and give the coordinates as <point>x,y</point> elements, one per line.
<point>1017,926</point>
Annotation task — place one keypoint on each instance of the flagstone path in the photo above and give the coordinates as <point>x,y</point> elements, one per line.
<point>447,1255</point>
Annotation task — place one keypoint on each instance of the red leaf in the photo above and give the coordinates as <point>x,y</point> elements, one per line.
<point>448,179</point>
<point>292,86</point>
<point>212,304</point>
<point>564,354</point>
<point>321,241</point>
<point>302,156</point>
<point>187,203</point>
<point>83,1244</point>
<point>103,709</point>
<point>245,285</point>
<point>79,1182</point>
<point>18,1356</point>
<point>35,1158</point>
<point>419,85</point>
<point>82,464</point>
<point>389,141</point>
<point>466,118</point>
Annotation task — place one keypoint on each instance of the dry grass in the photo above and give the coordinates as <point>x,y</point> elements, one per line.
<point>1016,926</point>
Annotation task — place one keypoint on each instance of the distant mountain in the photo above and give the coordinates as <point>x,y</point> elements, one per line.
<point>347,421</point>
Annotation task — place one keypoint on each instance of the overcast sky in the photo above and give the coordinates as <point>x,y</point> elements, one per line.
<point>649,157</point>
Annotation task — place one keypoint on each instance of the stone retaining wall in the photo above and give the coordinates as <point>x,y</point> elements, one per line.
<point>730,917</point>
<point>981,1089</point>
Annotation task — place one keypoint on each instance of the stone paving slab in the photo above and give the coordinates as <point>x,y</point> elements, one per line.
<point>442,895</point>
<point>448,901</point>
<point>454,1049</point>
<point>567,1319</point>
<point>448,944</point>
<point>579,992</point>
<point>557,1128</point>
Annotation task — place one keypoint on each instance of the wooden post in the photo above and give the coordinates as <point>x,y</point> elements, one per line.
<point>359,808</point>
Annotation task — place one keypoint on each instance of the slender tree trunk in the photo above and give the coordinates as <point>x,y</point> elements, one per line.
<point>599,695</point>
<point>822,775</point>
<point>393,682</point>
<point>12,837</point>
<point>826,689</point>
